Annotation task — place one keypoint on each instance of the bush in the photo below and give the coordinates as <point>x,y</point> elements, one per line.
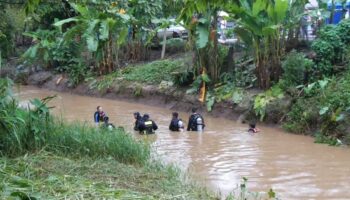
<point>303,117</point>
<point>175,45</point>
<point>295,67</point>
<point>324,108</point>
<point>29,131</point>
<point>183,78</point>
<point>343,30</point>
<point>6,35</point>
<point>330,47</point>
<point>324,50</point>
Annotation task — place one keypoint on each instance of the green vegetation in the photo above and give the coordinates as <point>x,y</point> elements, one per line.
<point>295,67</point>
<point>323,111</point>
<point>30,131</point>
<point>154,72</point>
<point>150,73</point>
<point>48,176</point>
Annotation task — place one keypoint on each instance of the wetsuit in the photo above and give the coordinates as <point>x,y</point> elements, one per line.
<point>192,122</point>
<point>138,121</point>
<point>175,125</point>
<point>147,127</point>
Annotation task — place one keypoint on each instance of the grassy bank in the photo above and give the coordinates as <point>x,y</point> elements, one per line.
<point>48,176</point>
<point>152,73</point>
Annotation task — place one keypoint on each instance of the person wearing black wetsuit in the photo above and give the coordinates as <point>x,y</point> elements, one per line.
<point>147,126</point>
<point>195,122</point>
<point>176,124</point>
<point>138,120</point>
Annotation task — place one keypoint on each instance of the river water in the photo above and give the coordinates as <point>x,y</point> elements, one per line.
<point>292,165</point>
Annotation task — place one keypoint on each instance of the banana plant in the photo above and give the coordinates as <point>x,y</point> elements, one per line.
<point>260,24</point>
<point>102,31</point>
<point>200,17</point>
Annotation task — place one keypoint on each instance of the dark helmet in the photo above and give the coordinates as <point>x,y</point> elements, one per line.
<point>175,114</point>
<point>146,116</point>
<point>194,110</point>
<point>137,115</point>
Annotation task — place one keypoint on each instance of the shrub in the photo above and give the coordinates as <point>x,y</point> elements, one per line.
<point>343,30</point>
<point>262,100</point>
<point>183,78</point>
<point>175,45</point>
<point>6,35</point>
<point>303,117</point>
<point>324,108</point>
<point>324,50</point>
<point>330,47</point>
<point>295,66</point>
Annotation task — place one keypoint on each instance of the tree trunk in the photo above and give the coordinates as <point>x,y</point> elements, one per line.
<point>109,55</point>
<point>164,44</point>
<point>230,60</point>
<point>213,58</point>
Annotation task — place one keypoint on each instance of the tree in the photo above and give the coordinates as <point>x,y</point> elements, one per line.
<point>200,16</point>
<point>103,29</point>
<point>260,24</point>
<point>141,27</point>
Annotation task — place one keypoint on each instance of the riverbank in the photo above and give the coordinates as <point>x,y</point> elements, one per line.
<point>44,175</point>
<point>164,94</point>
<point>154,84</point>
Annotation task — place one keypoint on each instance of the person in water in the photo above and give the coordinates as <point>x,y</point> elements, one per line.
<point>138,120</point>
<point>99,115</point>
<point>195,122</point>
<point>106,124</point>
<point>176,124</point>
<point>252,128</point>
<point>147,125</point>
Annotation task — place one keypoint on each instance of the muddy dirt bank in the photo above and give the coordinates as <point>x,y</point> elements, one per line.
<point>156,95</point>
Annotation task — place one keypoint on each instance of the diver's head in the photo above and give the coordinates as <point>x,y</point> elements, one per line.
<point>251,125</point>
<point>194,110</point>
<point>146,116</point>
<point>136,115</point>
<point>175,115</point>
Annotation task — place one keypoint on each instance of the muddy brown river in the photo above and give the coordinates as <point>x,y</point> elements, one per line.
<point>292,165</point>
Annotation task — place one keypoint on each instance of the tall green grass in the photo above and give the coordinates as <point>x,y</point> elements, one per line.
<point>23,131</point>
<point>82,140</point>
<point>47,176</point>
